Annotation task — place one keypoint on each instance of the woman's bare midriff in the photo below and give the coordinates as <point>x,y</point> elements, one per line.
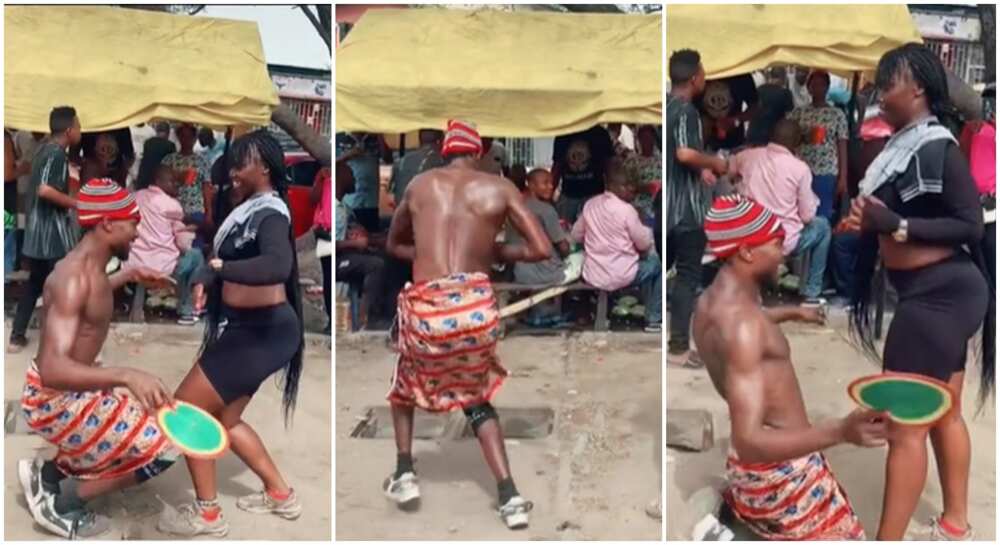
<point>243,296</point>
<point>909,256</point>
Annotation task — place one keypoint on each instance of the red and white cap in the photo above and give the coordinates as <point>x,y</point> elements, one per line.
<point>102,198</point>
<point>735,221</point>
<point>461,137</point>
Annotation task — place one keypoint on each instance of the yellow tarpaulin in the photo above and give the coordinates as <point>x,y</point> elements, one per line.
<point>738,39</point>
<point>120,67</point>
<point>512,73</point>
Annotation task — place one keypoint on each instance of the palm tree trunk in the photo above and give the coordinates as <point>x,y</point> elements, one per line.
<point>313,143</point>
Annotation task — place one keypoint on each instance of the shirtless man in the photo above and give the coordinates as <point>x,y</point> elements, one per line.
<point>448,318</point>
<point>774,446</point>
<point>107,439</point>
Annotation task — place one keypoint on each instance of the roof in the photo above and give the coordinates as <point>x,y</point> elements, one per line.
<point>512,73</point>
<point>743,38</point>
<point>120,67</point>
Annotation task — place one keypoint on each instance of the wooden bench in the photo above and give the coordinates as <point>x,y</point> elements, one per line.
<point>601,322</point>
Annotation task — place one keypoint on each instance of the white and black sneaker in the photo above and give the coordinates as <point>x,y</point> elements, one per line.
<point>80,523</point>
<point>404,490</point>
<point>515,512</point>
<point>29,473</point>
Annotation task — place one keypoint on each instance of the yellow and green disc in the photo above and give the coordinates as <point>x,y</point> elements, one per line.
<point>910,399</point>
<point>193,430</point>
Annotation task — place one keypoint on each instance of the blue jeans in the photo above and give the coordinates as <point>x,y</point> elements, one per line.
<point>9,251</point>
<point>825,187</point>
<point>649,279</point>
<point>815,239</point>
<point>844,258</point>
<point>189,263</point>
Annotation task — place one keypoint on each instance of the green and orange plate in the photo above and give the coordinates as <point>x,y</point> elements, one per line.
<point>193,430</point>
<point>913,400</point>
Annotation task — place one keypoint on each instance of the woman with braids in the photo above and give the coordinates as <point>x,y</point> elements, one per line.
<point>254,328</point>
<point>919,209</point>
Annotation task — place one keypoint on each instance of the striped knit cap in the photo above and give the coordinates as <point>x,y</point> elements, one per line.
<point>461,137</point>
<point>735,221</point>
<point>102,198</point>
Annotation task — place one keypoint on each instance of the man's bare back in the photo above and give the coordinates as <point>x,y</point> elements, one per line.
<point>449,218</point>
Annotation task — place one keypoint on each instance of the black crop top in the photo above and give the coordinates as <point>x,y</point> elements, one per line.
<point>953,217</point>
<point>263,260</point>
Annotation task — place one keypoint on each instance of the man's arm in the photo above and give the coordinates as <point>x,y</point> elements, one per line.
<point>54,167</point>
<point>745,393</point>
<point>58,370</point>
<point>808,202</point>
<point>788,313</point>
<point>400,243</point>
<point>695,159</point>
<point>537,247</point>
<point>841,168</point>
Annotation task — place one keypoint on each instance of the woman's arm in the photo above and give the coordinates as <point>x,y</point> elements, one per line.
<point>274,263</point>
<point>963,219</point>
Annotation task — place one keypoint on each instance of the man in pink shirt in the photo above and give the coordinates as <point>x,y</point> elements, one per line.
<point>777,179</point>
<point>164,242</point>
<point>613,238</point>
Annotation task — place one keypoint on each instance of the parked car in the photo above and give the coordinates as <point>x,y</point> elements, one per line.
<point>302,169</point>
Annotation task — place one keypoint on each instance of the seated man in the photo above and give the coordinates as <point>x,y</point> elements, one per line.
<point>780,181</point>
<point>164,243</point>
<point>613,238</point>
<point>354,264</point>
<point>774,446</point>
<point>561,267</point>
<point>106,438</point>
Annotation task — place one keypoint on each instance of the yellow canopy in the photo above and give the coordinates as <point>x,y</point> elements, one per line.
<point>738,39</point>
<point>512,73</point>
<point>120,67</point>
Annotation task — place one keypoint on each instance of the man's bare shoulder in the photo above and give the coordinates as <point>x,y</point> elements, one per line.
<point>67,285</point>
<point>740,327</point>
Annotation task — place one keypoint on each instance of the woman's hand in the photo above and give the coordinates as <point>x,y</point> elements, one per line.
<point>876,216</point>
<point>200,297</point>
<point>216,264</point>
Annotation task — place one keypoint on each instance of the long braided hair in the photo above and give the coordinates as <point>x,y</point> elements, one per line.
<point>922,66</point>
<point>261,146</point>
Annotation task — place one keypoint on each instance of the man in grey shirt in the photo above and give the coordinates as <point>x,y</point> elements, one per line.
<point>539,201</point>
<point>426,157</point>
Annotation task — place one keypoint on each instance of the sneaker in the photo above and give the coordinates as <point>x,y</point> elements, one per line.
<point>654,328</point>
<point>72,525</point>
<point>515,512</point>
<point>17,344</point>
<point>404,490</point>
<point>262,503</point>
<point>813,302</point>
<point>187,521</point>
<point>190,319</point>
<point>29,473</point>
<point>938,533</point>
<point>654,509</point>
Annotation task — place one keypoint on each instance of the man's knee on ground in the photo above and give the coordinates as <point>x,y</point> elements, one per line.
<point>479,415</point>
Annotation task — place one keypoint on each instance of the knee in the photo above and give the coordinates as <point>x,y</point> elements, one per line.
<point>479,415</point>
<point>907,436</point>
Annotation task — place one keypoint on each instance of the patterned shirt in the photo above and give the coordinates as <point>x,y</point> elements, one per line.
<point>688,198</point>
<point>194,174</point>
<point>51,231</point>
<point>821,157</point>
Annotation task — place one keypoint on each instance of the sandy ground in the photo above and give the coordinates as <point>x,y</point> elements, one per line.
<point>302,452</point>
<point>825,363</point>
<point>590,479</point>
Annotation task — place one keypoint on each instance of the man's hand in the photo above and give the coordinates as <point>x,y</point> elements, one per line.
<point>812,315</point>
<point>708,177</point>
<point>865,428</point>
<point>152,279</point>
<point>148,389</point>
<point>841,186</point>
